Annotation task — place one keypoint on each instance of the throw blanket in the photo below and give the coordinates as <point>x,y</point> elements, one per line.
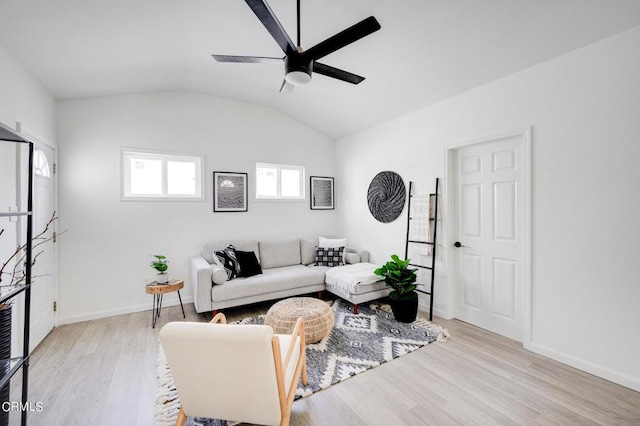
<point>350,277</point>
<point>421,229</point>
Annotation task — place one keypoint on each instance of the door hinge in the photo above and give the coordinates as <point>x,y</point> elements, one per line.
<point>55,236</point>
<point>55,306</point>
<point>55,168</point>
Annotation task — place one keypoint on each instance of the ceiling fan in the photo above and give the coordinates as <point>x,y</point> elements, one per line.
<point>299,63</point>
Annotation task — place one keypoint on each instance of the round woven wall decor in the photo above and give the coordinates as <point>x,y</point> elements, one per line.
<point>386,196</point>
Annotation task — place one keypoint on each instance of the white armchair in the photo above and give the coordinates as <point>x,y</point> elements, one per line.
<point>234,372</point>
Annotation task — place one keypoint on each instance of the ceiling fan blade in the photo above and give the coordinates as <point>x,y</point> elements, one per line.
<point>330,71</point>
<point>271,23</point>
<point>248,59</point>
<point>344,38</point>
<point>286,87</point>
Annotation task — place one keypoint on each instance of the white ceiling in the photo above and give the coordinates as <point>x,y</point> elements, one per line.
<point>426,51</point>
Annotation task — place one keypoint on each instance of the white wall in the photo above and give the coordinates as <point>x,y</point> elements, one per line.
<point>106,252</point>
<point>584,108</point>
<point>8,198</point>
<point>24,100</point>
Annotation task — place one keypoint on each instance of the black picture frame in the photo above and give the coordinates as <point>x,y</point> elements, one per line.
<point>323,194</point>
<point>230,190</point>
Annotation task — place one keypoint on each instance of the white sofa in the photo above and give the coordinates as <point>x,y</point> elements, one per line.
<point>288,270</point>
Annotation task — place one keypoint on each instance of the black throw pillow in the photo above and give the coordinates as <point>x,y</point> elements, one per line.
<point>329,256</point>
<point>249,265</point>
<point>229,261</point>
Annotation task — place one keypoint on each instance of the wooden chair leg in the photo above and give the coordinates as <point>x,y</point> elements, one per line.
<point>303,355</point>
<point>286,416</point>
<point>218,318</point>
<point>304,370</point>
<point>355,308</point>
<point>304,374</point>
<point>182,417</point>
<point>319,295</point>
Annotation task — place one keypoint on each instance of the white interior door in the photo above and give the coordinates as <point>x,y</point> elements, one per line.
<point>43,272</point>
<point>489,274</point>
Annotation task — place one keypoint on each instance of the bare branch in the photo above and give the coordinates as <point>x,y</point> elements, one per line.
<point>19,255</point>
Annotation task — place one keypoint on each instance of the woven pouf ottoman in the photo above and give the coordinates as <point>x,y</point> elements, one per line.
<point>318,317</point>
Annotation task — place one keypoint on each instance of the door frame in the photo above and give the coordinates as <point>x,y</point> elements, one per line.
<point>525,135</point>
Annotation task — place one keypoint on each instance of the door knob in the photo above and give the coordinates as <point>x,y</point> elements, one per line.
<point>457,244</point>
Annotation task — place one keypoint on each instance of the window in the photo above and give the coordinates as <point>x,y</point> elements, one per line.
<point>279,182</point>
<point>156,175</point>
<point>41,165</point>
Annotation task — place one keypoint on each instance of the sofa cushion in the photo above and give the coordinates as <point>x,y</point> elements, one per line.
<point>209,249</point>
<point>249,265</point>
<point>229,261</point>
<point>307,252</point>
<point>274,254</point>
<point>329,256</point>
<point>271,280</point>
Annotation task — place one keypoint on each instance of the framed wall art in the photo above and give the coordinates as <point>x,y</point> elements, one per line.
<point>229,192</point>
<point>322,193</point>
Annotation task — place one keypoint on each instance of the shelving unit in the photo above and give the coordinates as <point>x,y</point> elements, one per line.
<point>428,240</point>
<point>13,365</point>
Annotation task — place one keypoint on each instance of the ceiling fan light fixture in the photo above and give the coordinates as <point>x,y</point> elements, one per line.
<point>297,78</point>
<point>297,69</point>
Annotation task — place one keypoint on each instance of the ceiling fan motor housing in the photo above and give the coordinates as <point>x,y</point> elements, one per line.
<point>298,69</point>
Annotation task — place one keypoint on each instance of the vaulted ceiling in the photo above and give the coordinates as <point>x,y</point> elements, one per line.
<point>426,51</point>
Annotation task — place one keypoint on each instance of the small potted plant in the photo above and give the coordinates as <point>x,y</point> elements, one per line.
<point>404,299</point>
<point>161,265</point>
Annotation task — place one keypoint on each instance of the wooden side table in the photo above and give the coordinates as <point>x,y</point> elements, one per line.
<point>158,290</point>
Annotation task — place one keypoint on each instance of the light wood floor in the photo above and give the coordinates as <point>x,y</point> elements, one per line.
<point>102,372</point>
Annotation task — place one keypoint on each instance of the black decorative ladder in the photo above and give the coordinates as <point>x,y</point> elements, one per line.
<point>9,367</point>
<point>426,241</point>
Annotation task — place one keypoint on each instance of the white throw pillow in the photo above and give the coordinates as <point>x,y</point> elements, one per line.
<point>333,243</point>
<point>216,261</point>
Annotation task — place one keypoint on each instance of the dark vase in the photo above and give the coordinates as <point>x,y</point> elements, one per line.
<point>405,310</point>
<point>5,356</point>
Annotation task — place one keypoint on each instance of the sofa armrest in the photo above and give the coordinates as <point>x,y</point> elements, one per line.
<point>364,255</point>
<point>200,281</point>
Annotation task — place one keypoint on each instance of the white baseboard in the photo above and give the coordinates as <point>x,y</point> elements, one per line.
<point>580,364</point>
<point>424,307</point>
<point>120,311</point>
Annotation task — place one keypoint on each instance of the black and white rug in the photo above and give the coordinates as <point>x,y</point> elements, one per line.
<point>356,344</point>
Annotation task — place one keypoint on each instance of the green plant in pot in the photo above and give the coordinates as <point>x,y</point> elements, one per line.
<point>161,265</point>
<point>404,299</point>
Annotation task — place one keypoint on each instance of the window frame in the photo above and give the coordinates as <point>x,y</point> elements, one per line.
<point>165,156</point>
<point>279,167</point>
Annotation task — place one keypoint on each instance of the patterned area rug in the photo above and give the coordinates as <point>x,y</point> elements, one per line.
<point>356,344</point>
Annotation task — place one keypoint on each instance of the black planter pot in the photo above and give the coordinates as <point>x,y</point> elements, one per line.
<point>405,310</point>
